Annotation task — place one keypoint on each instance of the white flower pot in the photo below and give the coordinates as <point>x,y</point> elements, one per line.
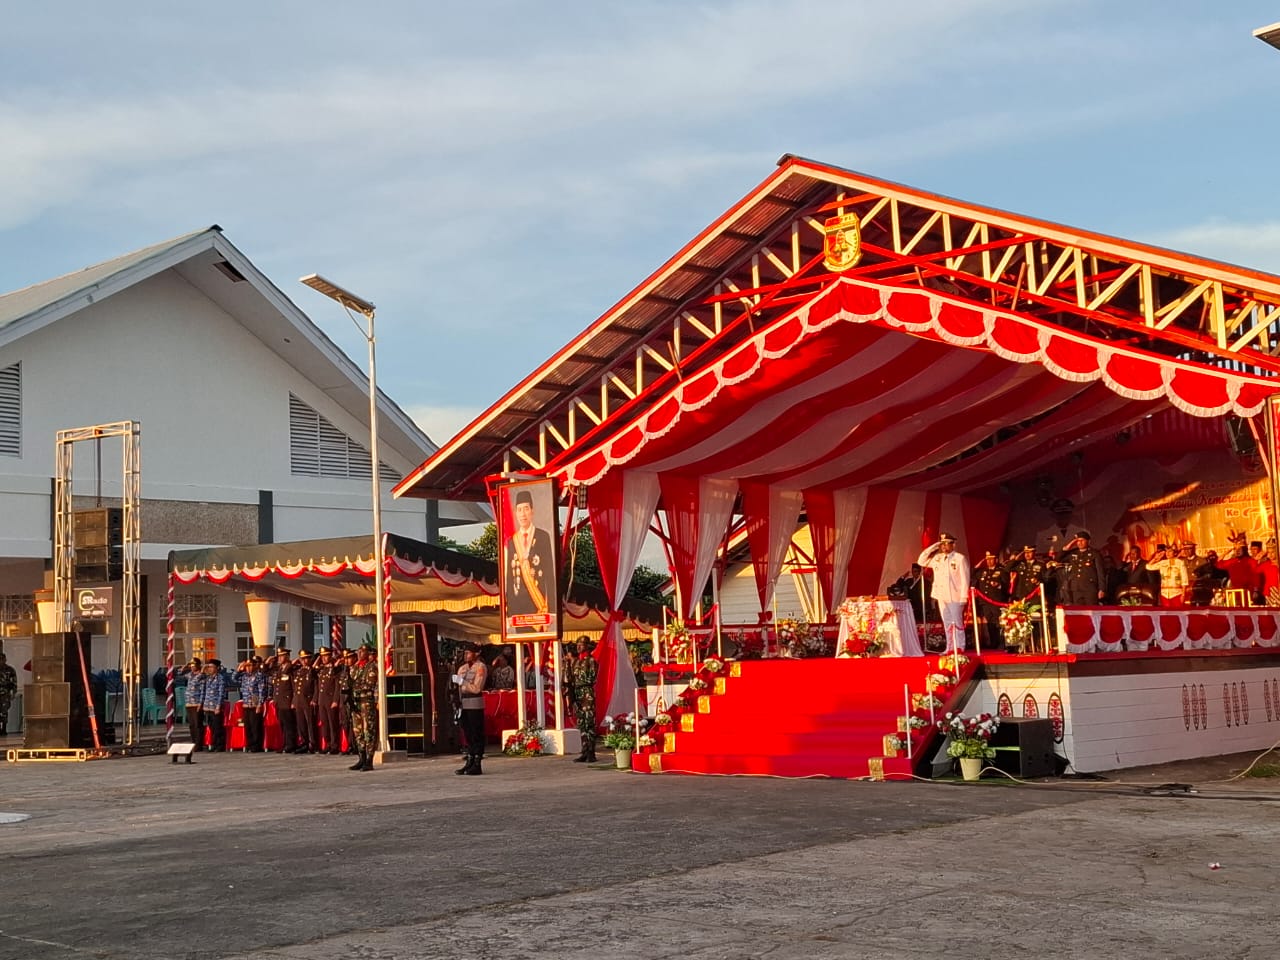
<point>971,767</point>
<point>622,759</point>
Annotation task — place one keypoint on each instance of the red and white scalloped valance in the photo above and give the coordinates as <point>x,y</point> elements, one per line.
<point>873,384</point>
<point>1138,629</point>
<point>364,566</point>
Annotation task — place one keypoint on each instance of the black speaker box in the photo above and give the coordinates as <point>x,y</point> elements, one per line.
<point>56,711</point>
<point>1024,747</point>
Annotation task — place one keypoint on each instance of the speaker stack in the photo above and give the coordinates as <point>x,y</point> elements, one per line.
<point>1024,747</point>
<point>55,711</point>
<point>99,539</point>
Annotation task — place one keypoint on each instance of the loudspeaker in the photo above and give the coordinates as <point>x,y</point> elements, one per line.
<point>99,541</point>
<point>1024,747</point>
<point>55,710</point>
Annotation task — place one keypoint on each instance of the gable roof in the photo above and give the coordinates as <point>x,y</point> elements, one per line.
<point>759,255</point>
<point>212,264</point>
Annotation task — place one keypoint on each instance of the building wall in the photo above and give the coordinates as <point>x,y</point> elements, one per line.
<point>213,403</point>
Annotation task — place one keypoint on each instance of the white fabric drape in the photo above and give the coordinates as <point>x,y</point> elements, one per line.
<point>850,505</point>
<point>640,492</point>
<point>784,515</point>
<point>716,497</point>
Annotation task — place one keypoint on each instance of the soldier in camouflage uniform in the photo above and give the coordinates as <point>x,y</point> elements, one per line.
<point>582,693</point>
<point>345,710</point>
<point>8,690</point>
<point>363,706</point>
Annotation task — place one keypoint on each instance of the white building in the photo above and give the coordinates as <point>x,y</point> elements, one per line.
<point>251,425</point>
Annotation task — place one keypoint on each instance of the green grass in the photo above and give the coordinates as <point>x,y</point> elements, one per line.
<point>1265,770</point>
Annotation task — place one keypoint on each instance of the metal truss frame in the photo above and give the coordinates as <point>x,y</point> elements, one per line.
<point>64,551</point>
<point>1154,300</point>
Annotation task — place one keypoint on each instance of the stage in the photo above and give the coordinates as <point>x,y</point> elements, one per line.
<point>825,717</point>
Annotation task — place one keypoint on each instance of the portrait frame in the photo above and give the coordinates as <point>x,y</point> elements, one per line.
<point>529,560</point>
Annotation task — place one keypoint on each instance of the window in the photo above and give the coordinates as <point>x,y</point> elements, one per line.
<point>11,411</point>
<point>244,638</point>
<point>319,449</point>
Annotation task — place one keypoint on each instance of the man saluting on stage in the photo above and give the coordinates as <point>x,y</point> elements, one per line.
<point>950,570</point>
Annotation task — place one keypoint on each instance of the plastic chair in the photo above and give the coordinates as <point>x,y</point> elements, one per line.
<point>180,701</point>
<point>151,707</point>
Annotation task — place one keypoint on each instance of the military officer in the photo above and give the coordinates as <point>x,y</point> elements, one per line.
<point>363,705</point>
<point>328,672</point>
<point>304,702</point>
<point>282,698</point>
<point>582,693</point>
<point>992,583</point>
<point>344,700</point>
<point>1081,580</point>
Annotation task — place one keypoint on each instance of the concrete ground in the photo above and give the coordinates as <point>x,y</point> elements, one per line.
<point>241,856</point>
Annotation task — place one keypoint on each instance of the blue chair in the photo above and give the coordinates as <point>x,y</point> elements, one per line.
<point>179,702</point>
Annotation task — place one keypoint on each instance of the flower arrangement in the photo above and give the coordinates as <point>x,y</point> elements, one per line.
<point>935,681</point>
<point>894,742</point>
<point>863,645</point>
<point>917,723</point>
<point>525,742</point>
<point>712,665</point>
<point>646,741</point>
<point>865,622</point>
<point>935,639</point>
<point>697,683</point>
<point>925,701</point>
<point>799,638</point>
<point>748,646</point>
<point>1017,620</point>
<point>620,731</point>
<point>952,663</point>
<point>663,719</point>
<point>970,736</point>
<point>678,641</point>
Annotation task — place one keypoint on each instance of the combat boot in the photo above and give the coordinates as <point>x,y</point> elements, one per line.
<point>366,761</point>
<point>475,770</point>
<point>466,767</point>
<point>359,764</point>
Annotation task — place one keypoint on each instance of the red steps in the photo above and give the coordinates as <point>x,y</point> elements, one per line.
<point>794,718</point>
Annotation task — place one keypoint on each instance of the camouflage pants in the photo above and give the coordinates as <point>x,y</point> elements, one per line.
<point>364,723</point>
<point>5,704</point>
<point>585,710</point>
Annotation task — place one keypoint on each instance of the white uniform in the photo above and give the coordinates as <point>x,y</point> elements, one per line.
<point>950,589</point>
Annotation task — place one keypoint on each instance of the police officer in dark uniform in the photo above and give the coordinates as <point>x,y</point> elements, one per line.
<point>282,698</point>
<point>304,702</point>
<point>992,583</point>
<point>1026,574</point>
<point>327,673</point>
<point>1081,579</point>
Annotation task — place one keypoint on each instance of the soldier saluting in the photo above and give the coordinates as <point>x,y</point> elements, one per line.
<point>1081,580</point>
<point>992,582</point>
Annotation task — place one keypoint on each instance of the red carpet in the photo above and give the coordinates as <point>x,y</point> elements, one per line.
<point>798,718</point>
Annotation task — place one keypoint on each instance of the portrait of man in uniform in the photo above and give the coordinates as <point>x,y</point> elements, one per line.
<point>529,588</point>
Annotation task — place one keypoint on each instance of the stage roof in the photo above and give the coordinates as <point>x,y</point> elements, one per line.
<point>967,345</point>
<point>425,583</point>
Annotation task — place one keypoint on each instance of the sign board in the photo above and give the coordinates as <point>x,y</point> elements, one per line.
<point>93,603</point>
<point>528,569</point>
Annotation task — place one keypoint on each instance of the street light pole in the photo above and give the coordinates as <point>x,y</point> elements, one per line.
<point>354,303</point>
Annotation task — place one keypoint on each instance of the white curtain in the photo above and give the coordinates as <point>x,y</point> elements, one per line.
<point>716,497</point>
<point>784,515</point>
<point>850,506</point>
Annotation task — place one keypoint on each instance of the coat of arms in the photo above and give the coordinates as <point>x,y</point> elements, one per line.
<point>842,247</point>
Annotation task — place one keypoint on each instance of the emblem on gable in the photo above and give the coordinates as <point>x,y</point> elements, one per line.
<point>842,244</point>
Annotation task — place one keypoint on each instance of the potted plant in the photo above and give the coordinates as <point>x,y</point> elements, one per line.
<point>525,742</point>
<point>970,740</point>
<point>1017,621</point>
<point>620,736</point>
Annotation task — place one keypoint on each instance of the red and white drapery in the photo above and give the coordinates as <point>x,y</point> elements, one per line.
<point>1118,629</point>
<point>620,508</point>
<point>861,402</point>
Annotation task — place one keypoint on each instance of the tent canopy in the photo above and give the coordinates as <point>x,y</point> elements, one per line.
<point>424,582</point>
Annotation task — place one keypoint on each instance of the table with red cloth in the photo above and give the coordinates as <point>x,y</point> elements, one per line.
<point>501,710</point>
<point>272,735</point>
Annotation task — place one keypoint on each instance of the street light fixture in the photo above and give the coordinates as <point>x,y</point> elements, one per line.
<point>359,305</point>
<point>1269,35</point>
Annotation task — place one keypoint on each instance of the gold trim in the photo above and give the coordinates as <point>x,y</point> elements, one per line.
<point>704,704</point>
<point>655,763</point>
<point>668,743</point>
<point>735,670</point>
<point>876,766</point>
<point>719,686</point>
<point>686,722</point>
<point>902,724</point>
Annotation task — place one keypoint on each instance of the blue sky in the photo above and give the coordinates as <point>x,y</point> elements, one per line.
<point>495,175</point>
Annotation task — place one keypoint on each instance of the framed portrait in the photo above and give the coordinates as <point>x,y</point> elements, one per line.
<point>528,560</point>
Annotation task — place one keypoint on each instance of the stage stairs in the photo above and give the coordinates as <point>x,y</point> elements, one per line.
<point>817,717</point>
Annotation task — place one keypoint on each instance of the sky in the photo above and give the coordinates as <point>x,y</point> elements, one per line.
<point>496,175</point>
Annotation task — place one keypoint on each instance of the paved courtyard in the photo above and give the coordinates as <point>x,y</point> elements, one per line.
<point>296,857</point>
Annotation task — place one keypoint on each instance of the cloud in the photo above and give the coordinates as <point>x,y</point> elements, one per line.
<point>441,424</point>
<point>1255,244</point>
